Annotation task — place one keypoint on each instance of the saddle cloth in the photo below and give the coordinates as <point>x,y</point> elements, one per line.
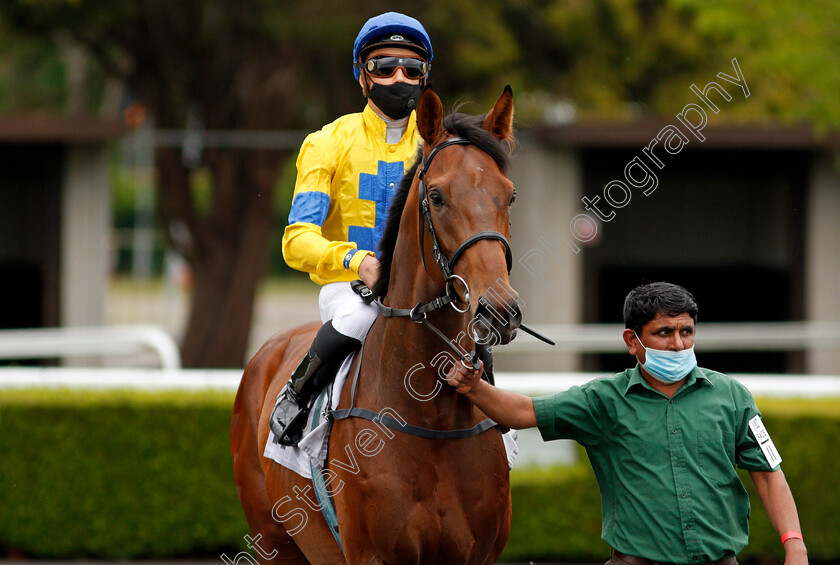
<point>312,448</point>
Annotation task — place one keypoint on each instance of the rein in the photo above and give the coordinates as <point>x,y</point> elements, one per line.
<point>418,313</point>
<point>401,425</point>
<point>447,266</point>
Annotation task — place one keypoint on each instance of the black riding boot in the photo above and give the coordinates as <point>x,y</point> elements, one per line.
<point>486,356</point>
<point>317,368</point>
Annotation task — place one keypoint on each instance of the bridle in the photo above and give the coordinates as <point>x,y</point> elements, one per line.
<point>447,266</point>
<point>418,313</point>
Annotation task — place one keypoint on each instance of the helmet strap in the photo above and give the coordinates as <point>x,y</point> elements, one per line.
<point>368,83</point>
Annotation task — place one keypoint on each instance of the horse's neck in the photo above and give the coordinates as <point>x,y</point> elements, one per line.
<point>407,361</point>
<point>398,362</point>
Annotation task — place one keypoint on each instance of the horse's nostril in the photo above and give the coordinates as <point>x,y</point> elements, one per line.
<point>516,319</point>
<point>501,320</point>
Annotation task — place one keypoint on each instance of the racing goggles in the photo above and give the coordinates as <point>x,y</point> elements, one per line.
<point>384,66</point>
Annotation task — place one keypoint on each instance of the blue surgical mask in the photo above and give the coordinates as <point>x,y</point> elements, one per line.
<point>668,366</point>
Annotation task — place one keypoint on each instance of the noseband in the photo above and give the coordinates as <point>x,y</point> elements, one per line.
<point>418,313</point>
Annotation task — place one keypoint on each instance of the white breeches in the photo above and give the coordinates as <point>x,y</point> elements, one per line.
<point>349,314</point>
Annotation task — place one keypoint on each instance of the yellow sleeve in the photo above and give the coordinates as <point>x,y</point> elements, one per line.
<point>304,246</point>
<point>306,250</point>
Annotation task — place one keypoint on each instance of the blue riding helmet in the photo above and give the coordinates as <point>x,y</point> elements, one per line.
<point>396,24</point>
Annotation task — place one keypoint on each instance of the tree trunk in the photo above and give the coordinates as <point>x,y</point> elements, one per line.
<point>227,250</point>
<point>223,300</point>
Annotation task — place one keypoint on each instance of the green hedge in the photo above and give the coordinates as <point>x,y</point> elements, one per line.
<point>119,475</point>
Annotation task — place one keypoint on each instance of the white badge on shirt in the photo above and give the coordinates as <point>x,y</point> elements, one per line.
<point>764,442</point>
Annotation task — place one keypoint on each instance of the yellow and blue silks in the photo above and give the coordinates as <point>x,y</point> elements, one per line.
<point>347,177</point>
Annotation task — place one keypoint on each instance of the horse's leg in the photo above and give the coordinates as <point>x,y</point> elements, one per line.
<point>273,543</point>
<point>501,541</point>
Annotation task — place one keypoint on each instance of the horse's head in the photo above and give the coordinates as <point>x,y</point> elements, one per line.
<point>467,196</point>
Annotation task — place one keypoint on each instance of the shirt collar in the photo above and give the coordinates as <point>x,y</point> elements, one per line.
<point>696,376</point>
<point>377,124</point>
<point>374,121</point>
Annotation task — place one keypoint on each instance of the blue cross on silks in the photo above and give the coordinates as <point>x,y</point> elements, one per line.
<point>380,188</point>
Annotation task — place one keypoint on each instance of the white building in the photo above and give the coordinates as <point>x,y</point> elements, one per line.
<point>55,220</point>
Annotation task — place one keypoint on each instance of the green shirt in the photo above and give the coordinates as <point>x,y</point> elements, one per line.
<point>665,467</point>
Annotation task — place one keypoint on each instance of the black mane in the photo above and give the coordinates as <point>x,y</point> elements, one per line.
<point>462,125</point>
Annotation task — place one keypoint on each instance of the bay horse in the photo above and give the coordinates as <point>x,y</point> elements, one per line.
<point>437,489</point>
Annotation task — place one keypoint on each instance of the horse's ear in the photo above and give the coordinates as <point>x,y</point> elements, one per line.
<point>430,117</point>
<point>499,120</point>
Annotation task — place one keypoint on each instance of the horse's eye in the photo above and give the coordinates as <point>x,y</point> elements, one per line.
<point>436,198</point>
<point>512,198</point>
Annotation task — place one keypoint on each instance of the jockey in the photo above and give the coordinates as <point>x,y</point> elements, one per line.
<point>347,174</point>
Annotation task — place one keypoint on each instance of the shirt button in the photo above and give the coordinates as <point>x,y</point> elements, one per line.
<point>673,431</point>
<point>683,495</point>
<point>688,527</point>
<point>392,149</point>
<point>391,185</point>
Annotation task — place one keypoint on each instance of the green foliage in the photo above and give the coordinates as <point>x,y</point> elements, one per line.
<point>117,475</point>
<point>282,204</point>
<point>616,59</point>
<point>127,475</point>
<point>610,58</point>
<point>805,433</point>
<point>556,514</point>
<point>788,51</point>
<point>31,73</point>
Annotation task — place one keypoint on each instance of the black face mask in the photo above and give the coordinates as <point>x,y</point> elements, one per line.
<point>396,100</point>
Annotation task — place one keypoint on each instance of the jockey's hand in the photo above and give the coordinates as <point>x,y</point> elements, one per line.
<point>369,270</point>
<point>463,378</point>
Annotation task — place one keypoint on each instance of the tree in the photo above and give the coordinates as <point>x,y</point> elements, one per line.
<point>269,64</point>
<point>31,73</point>
<point>220,65</point>
<point>789,49</point>
<point>625,59</point>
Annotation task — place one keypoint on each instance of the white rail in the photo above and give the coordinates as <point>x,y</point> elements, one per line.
<point>730,336</point>
<point>592,338</point>
<point>89,341</point>
<point>788,386</point>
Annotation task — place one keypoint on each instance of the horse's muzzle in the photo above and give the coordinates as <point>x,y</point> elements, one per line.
<point>495,323</point>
